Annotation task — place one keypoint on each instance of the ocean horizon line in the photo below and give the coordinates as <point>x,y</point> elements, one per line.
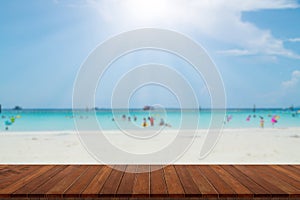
<point>167,108</point>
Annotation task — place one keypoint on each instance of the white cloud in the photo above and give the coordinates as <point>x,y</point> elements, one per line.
<point>294,40</point>
<point>220,20</point>
<point>235,52</point>
<point>295,78</point>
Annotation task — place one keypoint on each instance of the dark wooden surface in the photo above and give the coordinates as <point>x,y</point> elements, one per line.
<point>174,181</point>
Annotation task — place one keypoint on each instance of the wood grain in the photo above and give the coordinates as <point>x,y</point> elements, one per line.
<point>147,181</point>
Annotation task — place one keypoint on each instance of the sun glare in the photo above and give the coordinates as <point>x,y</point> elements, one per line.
<point>147,10</point>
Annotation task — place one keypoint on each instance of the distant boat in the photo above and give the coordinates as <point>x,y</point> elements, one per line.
<point>148,108</point>
<point>17,108</point>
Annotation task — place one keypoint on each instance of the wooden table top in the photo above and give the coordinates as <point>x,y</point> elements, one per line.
<point>173,181</point>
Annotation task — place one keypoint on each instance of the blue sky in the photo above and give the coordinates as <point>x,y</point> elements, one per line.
<point>254,43</point>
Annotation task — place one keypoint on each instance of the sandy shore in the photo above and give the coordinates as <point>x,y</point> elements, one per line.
<point>235,146</point>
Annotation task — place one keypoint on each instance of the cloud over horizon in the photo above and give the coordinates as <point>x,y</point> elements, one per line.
<point>294,40</point>
<point>218,20</point>
<point>295,79</point>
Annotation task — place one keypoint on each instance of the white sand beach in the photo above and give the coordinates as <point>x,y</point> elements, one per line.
<point>235,146</point>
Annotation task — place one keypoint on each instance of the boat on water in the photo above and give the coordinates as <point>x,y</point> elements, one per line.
<point>148,108</point>
<point>17,108</point>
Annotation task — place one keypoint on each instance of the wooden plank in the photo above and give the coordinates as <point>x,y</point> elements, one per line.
<point>7,191</point>
<point>256,189</point>
<point>158,187</point>
<point>297,166</point>
<point>204,186</point>
<point>284,177</point>
<point>82,182</point>
<point>112,183</point>
<point>58,190</point>
<point>275,179</point>
<point>174,186</point>
<point>271,181</point>
<point>15,172</point>
<point>294,168</point>
<point>286,171</point>
<point>10,171</point>
<point>141,187</point>
<point>238,187</point>
<point>222,188</point>
<point>32,185</point>
<point>7,173</point>
<point>189,187</point>
<point>93,189</point>
<point>126,186</point>
<point>41,191</point>
<point>258,178</point>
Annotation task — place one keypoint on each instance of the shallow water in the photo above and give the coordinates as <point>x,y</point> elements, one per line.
<point>59,119</point>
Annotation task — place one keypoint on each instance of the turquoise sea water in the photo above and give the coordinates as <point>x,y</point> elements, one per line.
<point>63,119</point>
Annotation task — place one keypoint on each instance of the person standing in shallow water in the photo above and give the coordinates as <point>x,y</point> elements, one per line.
<point>151,119</point>
<point>144,123</point>
<point>162,122</point>
<point>262,123</point>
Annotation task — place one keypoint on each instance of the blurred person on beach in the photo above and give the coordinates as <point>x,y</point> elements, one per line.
<point>248,118</point>
<point>144,123</point>
<point>168,125</point>
<point>274,120</point>
<point>162,122</point>
<point>151,119</point>
<point>229,117</point>
<point>262,122</point>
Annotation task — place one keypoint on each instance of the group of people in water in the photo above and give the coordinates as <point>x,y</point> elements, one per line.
<point>147,121</point>
<point>10,120</point>
<point>274,119</point>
